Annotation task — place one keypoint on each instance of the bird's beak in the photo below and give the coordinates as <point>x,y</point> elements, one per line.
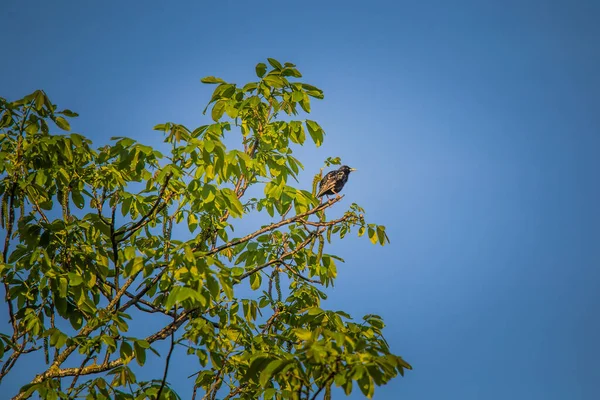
<point>352,169</point>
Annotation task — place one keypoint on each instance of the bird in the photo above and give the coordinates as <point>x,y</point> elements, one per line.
<point>333,182</point>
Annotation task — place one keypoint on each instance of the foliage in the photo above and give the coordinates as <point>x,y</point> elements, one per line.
<point>93,244</point>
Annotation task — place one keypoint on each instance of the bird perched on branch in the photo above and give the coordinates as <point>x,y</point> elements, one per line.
<point>333,182</point>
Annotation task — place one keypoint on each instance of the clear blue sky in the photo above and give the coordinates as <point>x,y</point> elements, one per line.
<point>475,126</point>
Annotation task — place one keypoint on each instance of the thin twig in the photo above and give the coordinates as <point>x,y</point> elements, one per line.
<point>328,223</point>
<point>142,220</point>
<point>300,275</point>
<point>164,379</point>
<point>142,292</point>
<point>325,382</point>
<point>236,391</point>
<point>12,359</point>
<point>280,259</point>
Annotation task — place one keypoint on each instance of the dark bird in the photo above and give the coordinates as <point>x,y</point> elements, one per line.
<point>333,182</point>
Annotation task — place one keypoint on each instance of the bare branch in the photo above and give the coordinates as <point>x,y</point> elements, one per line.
<point>296,273</point>
<point>12,359</point>
<point>173,326</point>
<point>121,291</point>
<point>76,377</point>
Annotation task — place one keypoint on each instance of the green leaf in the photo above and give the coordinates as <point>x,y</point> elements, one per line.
<point>235,206</point>
<point>163,127</point>
<point>269,393</point>
<point>212,80</point>
<point>68,113</point>
<point>59,339</point>
<point>208,193</point>
<point>274,81</point>
<point>76,320</point>
<point>372,235</point>
<point>272,368</point>
<point>226,286</point>
<point>381,236</point>
<point>257,365</point>
<point>312,91</point>
<point>110,343</point>
<point>291,72</point>
<point>218,110</point>
<point>361,231</point>
<point>315,131</point>
<point>303,334</point>
<point>213,286</point>
<point>261,68</point>
<point>78,199</point>
<point>140,353</point>
<point>365,383</point>
<point>275,64</point>
<point>128,253</point>
<point>63,287</point>
<point>126,352</point>
<point>40,99</point>
<point>314,311</point>
<point>75,279</point>
<point>255,281</point>
<point>305,103</point>
<point>61,306</point>
<point>62,123</point>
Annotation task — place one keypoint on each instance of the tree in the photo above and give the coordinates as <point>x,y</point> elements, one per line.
<point>93,244</point>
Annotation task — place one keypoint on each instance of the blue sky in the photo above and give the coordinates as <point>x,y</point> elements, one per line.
<point>475,126</point>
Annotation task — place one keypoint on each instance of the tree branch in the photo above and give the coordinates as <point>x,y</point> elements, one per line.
<point>55,372</point>
<point>12,359</point>
<point>236,391</point>
<point>99,204</point>
<point>138,296</point>
<point>84,332</point>
<point>323,223</point>
<point>81,367</point>
<point>276,225</point>
<point>132,229</point>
